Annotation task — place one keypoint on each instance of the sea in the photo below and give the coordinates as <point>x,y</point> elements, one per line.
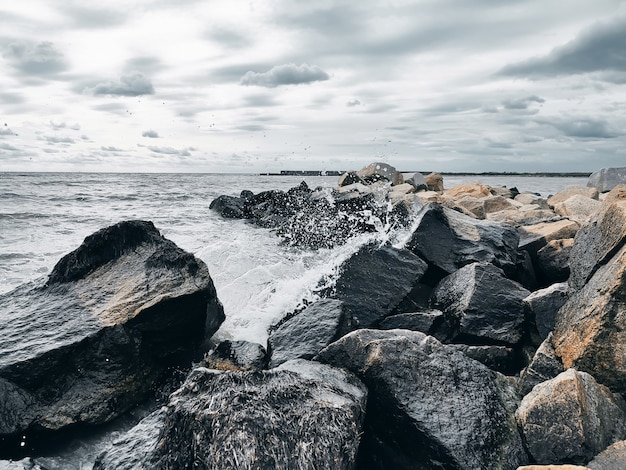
<point>258,277</point>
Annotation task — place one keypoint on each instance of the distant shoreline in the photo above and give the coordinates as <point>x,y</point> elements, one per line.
<point>569,174</point>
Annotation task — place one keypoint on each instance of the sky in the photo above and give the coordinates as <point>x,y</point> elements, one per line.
<point>263,86</point>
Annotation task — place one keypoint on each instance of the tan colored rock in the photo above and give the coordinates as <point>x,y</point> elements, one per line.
<point>498,203</point>
<point>566,193</point>
<point>519,218</point>
<point>502,191</point>
<point>578,207</point>
<point>404,188</point>
<point>474,189</point>
<point>570,418</point>
<point>533,237</point>
<point>531,198</point>
<point>434,182</point>
<point>430,196</point>
<point>611,458</point>
<point>473,205</point>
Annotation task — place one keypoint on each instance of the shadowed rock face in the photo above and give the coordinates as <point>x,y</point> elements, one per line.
<point>102,332</point>
<point>429,405</point>
<point>300,415</point>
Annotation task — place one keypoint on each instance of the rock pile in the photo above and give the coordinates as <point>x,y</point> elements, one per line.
<point>479,343</point>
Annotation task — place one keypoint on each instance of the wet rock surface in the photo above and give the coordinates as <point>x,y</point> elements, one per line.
<point>114,317</point>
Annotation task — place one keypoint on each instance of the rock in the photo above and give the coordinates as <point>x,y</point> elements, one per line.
<point>348,178</point>
<point>502,359</point>
<point>429,196</point>
<point>534,237</point>
<point>570,418</point>
<point>24,464</point>
<point>448,240</point>
<point>543,306</point>
<point>590,331</point>
<point>566,193</point>
<point>481,305</point>
<point>474,189</point>
<point>380,171</point>
<point>531,198</point>
<point>505,192</point>
<point>578,207</point>
<point>525,271</point>
<point>426,321</point>
<point>229,207</point>
<point>374,281</point>
<point>606,179</point>
<point>237,355</point>
<point>418,181</point>
<point>472,204</point>
<point>498,203</point>
<point>116,315</point>
<point>552,467</point>
<point>434,182</point>
<point>611,458</point>
<point>518,217</point>
<point>400,190</point>
<point>545,365</point>
<point>597,242</point>
<point>301,415</point>
<point>133,448</point>
<point>430,406</point>
<point>303,335</point>
<point>552,261</point>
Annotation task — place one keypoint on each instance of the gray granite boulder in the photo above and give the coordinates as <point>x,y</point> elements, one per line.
<point>611,458</point>
<point>543,306</point>
<point>545,365</point>
<point>606,179</point>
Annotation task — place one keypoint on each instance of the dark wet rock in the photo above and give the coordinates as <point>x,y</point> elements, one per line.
<point>570,419</point>
<point>611,458</point>
<point>115,317</point>
<point>131,450</point>
<point>242,355</point>
<point>502,359</point>
<point>543,306</point>
<point>426,321</point>
<point>553,261</point>
<point>429,406</point>
<point>545,365</point>
<point>301,415</point>
<point>482,306</point>
<point>304,335</point>
<point>606,179</point>
<point>525,271</point>
<point>380,171</point>
<point>230,207</point>
<point>374,281</point>
<point>24,464</point>
<point>449,240</point>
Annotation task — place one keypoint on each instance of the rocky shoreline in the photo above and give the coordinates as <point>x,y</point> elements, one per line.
<point>491,337</point>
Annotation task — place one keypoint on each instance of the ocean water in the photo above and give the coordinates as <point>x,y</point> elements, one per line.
<point>258,279</point>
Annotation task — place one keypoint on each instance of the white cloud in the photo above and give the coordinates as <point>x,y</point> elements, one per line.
<point>288,74</point>
<point>134,84</point>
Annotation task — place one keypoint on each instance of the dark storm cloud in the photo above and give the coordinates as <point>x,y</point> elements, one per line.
<point>600,48</point>
<point>35,59</point>
<point>584,127</point>
<point>134,84</point>
<point>90,18</point>
<point>287,74</point>
<point>522,103</point>
<point>353,103</point>
<point>151,134</point>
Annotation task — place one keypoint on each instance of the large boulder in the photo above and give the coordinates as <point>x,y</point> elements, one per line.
<point>303,335</point>
<point>449,240</point>
<point>578,207</point>
<point>570,191</point>
<point>543,306</point>
<point>545,365</point>
<point>570,418</point>
<point>230,207</point>
<point>430,406</point>
<point>237,355</point>
<point>481,306</point>
<point>518,218</point>
<point>532,199</point>
<point>607,178</point>
<point>611,458</point>
<point>552,261</point>
<point>474,189</point>
<point>597,242</point>
<point>380,171</point>
<point>536,236</point>
<point>418,182</point>
<point>301,415</point>
<point>374,281</point>
<point>114,317</point>
<point>434,181</point>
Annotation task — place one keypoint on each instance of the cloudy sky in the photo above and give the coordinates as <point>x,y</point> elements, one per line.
<point>240,86</point>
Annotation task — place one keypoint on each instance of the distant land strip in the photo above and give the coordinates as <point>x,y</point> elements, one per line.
<point>464,173</point>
